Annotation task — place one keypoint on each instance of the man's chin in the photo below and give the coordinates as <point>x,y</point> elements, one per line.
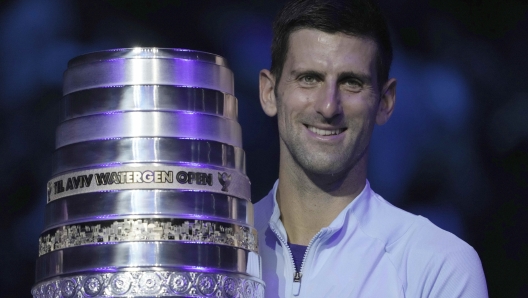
<point>328,168</point>
<point>321,161</point>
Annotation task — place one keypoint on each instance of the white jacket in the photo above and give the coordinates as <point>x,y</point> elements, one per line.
<point>372,249</point>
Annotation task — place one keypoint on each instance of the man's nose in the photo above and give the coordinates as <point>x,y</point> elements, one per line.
<point>328,103</point>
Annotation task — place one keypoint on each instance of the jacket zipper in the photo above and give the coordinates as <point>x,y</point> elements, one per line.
<point>297,276</point>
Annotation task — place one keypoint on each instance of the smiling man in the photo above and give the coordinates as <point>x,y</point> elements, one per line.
<point>323,232</point>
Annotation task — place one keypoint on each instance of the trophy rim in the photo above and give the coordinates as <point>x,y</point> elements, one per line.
<point>148,53</point>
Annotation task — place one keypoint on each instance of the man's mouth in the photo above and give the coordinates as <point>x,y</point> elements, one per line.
<point>325,132</point>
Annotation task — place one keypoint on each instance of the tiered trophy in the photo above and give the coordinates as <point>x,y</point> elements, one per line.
<point>148,196</point>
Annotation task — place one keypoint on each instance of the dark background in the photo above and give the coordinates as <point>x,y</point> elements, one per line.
<point>455,150</point>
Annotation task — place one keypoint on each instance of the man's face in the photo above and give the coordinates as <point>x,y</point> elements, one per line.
<point>327,100</point>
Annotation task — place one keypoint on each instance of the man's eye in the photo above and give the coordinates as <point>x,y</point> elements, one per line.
<point>353,85</point>
<point>308,79</point>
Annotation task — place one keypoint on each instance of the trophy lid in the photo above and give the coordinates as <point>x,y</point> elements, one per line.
<point>148,53</point>
<point>148,66</point>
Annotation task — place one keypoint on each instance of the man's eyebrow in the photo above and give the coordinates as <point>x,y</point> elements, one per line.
<point>365,78</point>
<point>297,72</point>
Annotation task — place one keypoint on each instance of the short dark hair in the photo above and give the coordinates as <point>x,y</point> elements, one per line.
<point>352,17</point>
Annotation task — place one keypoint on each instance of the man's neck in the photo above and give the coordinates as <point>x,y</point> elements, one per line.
<point>309,203</point>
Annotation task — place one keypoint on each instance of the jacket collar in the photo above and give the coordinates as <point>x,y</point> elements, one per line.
<point>375,217</point>
<point>335,225</point>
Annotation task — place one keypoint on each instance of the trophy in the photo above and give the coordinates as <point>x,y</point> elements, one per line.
<point>148,196</point>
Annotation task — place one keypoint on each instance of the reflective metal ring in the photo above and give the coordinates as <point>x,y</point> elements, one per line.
<point>148,98</point>
<point>112,257</point>
<point>147,150</point>
<point>162,203</point>
<point>152,282</point>
<point>149,124</point>
<point>150,71</point>
<point>148,229</point>
<point>194,177</point>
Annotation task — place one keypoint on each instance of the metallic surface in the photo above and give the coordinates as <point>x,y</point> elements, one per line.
<point>193,177</point>
<point>141,71</point>
<point>149,196</point>
<point>151,282</point>
<point>101,153</point>
<point>157,203</point>
<point>130,229</point>
<point>147,53</point>
<point>111,257</point>
<point>148,98</point>
<point>149,124</point>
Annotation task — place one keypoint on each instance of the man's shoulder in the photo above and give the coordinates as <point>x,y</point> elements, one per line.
<point>427,249</point>
<point>415,233</point>
<point>400,229</point>
<point>436,261</point>
<point>425,237</point>
<point>426,257</point>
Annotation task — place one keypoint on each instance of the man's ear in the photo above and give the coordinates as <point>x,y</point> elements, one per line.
<point>387,102</point>
<point>267,92</point>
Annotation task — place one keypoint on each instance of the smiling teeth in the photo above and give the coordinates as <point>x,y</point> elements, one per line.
<point>325,132</point>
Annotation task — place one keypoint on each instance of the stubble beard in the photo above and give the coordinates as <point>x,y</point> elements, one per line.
<point>333,164</point>
<point>320,163</point>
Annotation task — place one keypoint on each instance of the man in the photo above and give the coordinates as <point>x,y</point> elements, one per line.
<point>322,231</point>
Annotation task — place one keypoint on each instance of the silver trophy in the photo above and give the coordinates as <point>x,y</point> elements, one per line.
<point>148,196</point>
